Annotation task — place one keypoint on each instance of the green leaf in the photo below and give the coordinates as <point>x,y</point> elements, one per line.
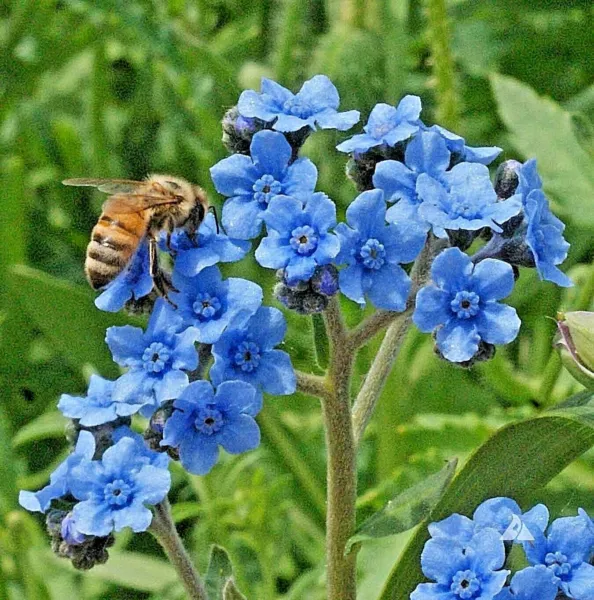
<point>218,573</point>
<point>407,509</point>
<point>66,315</point>
<point>127,569</point>
<point>230,591</point>
<point>541,128</point>
<point>517,460</point>
<point>47,425</point>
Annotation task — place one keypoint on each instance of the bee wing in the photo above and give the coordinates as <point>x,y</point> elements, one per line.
<point>135,203</point>
<point>108,186</point>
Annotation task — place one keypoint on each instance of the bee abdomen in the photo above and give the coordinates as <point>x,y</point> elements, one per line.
<point>111,247</point>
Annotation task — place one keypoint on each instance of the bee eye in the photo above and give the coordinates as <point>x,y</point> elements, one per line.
<point>201,212</point>
<point>174,185</point>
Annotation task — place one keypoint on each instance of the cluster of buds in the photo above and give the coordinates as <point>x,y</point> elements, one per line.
<point>308,297</point>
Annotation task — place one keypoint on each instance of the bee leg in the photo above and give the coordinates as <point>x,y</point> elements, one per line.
<point>162,281</point>
<point>170,227</point>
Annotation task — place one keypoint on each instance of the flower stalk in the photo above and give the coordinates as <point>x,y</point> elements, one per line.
<point>163,528</point>
<point>341,470</point>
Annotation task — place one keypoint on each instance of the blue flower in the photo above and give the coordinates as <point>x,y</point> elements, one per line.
<point>505,516</point>
<point>144,455</point>
<point>387,125</point>
<point>133,282</point>
<point>251,183</point>
<point>207,250</point>
<point>470,571</point>
<point>456,145</point>
<point>425,153</point>
<point>202,421</point>
<point>465,199</point>
<point>544,234</point>
<point>248,354</point>
<point>566,551</point>
<point>533,583</point>
<point>114,491</point>
<point>463,304</point>
<point>373,251</point>
<point>210,304</point>
<point>98,406</point>
<point>298,239</point>
<point>156,358</point>
<point>315,104</point>
<point>60,479</point>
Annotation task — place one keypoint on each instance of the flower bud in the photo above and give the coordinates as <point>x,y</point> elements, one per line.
<point>101,433</point>
<point>325,280</point>
<point>506,179</point>
<point>576,345</point>
<point>154,433</point>
<point>238,131</point>
<point>308,297</point>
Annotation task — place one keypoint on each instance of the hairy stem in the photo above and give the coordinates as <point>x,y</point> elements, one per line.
<point>341,475</point>
<point>312,385</point>
<point>382,365</point>
<point>166,534</point>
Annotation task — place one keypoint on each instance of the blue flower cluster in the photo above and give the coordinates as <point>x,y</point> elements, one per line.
<point>210,350</point>
<point>466,558</point>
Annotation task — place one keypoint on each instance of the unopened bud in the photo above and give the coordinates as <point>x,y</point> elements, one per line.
<point>575,343</point>
<point>238,131</point>
<point>153,436</point>
<point>506,179</point>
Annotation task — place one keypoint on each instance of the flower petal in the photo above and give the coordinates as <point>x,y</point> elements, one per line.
<point>276,373</point>
<point>351,283</point>
<point>234,176</point>
<point>271,153</point>
<point>493,279</point>
<point>389,289</point>
<point>498,323</point>
<point>240,435</point>
<point>432,308</point>
<point>458,340</point>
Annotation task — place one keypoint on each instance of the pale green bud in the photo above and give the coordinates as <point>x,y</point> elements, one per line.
<point>576,345</point>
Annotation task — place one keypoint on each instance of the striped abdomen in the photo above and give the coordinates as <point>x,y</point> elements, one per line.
<point>113,242</point>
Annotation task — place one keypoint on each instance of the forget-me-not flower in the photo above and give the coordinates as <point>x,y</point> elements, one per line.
<point>250,183</point>
<point>387,125</point>
<point>98,406</point>
<point>314,105</point>
<point>505,516</point>
<point>133,282</point>
<point>456,145</point>
<point>248,354</point>
<point>298,239</point>
<point>204,420</point>
<point>425,153</point>
<point>210,304</point>
<point>373,251</point>
<point>464,199</point>
<point>114,492</point>
<point>60,479</point>
<point>143,454</point>
<point>462,303</point>
<point>532,583</point>
<point>209,248</point>
<point>566,551</point>
<point>470,571</point>
<point>544,234</point>
<point>157,359</point>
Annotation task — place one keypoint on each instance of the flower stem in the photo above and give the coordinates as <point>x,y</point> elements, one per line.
<point>382,365</point>
<point>341,474</point>
<point>166,534</point>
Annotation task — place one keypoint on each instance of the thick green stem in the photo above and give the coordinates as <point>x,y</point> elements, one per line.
<point>341,475</point>
<point>166,534</point>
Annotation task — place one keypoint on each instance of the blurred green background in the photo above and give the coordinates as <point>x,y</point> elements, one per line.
<point>119,89</point>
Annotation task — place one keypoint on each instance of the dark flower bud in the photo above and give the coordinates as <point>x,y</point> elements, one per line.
<point>513,250</point>
<point>325,280</point>
<point>506,179</point>
<point>141,306</point>
<point>153,435</point>
<point>307,297</point>
<point>85,551</point>
<point>238,131</point>
<point>361,166</point>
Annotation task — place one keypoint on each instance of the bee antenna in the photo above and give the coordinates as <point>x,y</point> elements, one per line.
<point>213,210</point>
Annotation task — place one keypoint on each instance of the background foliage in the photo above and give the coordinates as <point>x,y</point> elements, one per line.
<point>117,88</point>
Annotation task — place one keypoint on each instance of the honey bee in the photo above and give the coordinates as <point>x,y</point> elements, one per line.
<point>136,210</point>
